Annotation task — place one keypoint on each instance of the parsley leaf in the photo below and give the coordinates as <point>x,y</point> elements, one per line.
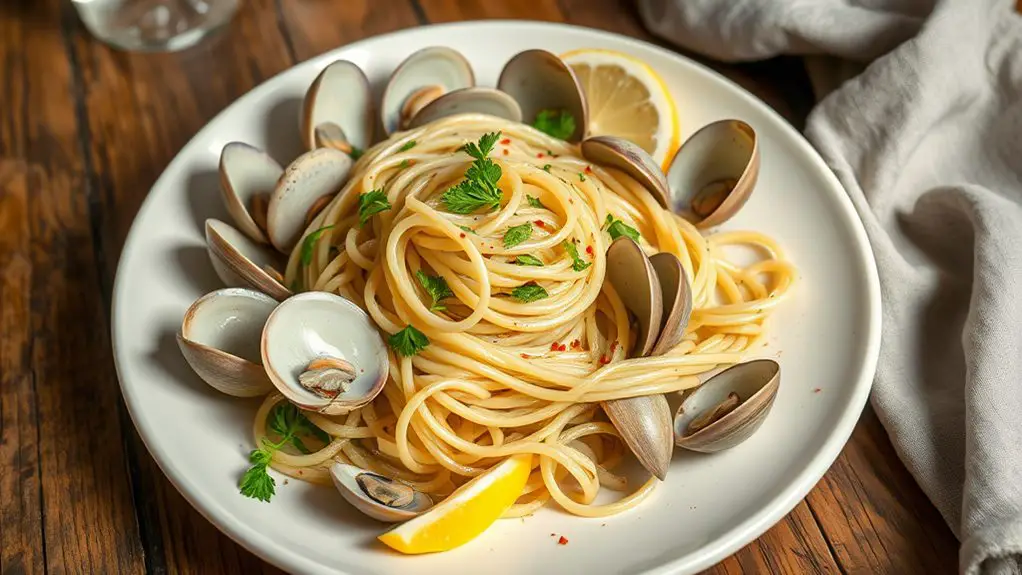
<point>517,234</point>
<point>356,153</point>
<point>408,146</point>
<point>534,202</point>
<point>370,204</point>
<point>468,229</point>
<point>479,188</point>
<point>436,287</point>
<point>483,149</point>
<point>408,341</point>
<point>546,167</point>
<point>404,164</point>
<point>577,263</point>
<point>617,228</point>
<point>557,123</point>
<point>581,177</point>
<point>527,260</point>
<point>309,243</point>
<point>529,292</point>
<point>287,421</point>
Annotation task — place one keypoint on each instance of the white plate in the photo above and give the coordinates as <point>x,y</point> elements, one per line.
<point>826,336</point>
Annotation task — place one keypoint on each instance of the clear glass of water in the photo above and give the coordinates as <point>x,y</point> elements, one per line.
<point>154,25</point>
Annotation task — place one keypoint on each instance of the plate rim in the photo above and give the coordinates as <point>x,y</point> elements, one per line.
<point>727,543</point>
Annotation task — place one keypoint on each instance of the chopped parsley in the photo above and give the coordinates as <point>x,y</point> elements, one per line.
<point>557,123</point>
<point>408,146</point>
<point>479,188</point>
<point>616,228</point>
<point>527,260</point>
<point>370,204</point>
<point>534,202</point>
<point>309,243</point>
<point>356,153</point>
<point>408,341</point>
<point>468,229</point>
<point>517,234</point>
<point>529,292</point>
<point>546,167</point>
<point>288,422</point>
<point>577,263</point>
<point>404,164</point>
<point>581,177</point>
<point>436,287</point>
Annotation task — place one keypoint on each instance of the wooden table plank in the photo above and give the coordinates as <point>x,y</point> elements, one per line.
<point>67,507</point>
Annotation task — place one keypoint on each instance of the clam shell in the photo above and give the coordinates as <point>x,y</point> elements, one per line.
<point>435,65</point>
<point>219,339</point>
<point>539,80</point>
<point>677,299</point>
<point>340,95</point>
<point>636,283</point>
<point>645,426</point>
<point>240,262</point>
<point>314,174</point>
<point>345,478</point>
<point>469,100</point>
<point>246,172</point>
<point>756,383</point>
<point>726,149</point>
<point>631,159</point>
<point>312,325</point>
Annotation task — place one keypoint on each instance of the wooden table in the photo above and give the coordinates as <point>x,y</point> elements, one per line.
<point>84,133</point>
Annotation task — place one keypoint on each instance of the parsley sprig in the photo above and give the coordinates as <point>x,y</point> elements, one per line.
<point>557,123</point>
<point>527,260</point>
<point>529,292</point>
<point>436,287</point>
<point>408,341</point>
<point>370,204</point>
<point>534,202</point>
<point>577,263</point>
<point>309,243</point>
<point>617,228</point>
<point>289,423</point>
<point>517,234</point>
<point>479,188</point>
<point>407,146</point>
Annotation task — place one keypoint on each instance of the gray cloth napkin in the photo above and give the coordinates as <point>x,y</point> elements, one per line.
<point>927,140</point>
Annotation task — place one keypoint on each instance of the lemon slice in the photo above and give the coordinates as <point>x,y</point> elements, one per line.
<point>628,99</point>
<point>466,513</point>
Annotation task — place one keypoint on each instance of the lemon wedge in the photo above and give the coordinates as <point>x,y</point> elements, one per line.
<point>466,513</point>
<point>628,99</point>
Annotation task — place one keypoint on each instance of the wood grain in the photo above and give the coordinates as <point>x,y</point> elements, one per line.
<point>84,133</point>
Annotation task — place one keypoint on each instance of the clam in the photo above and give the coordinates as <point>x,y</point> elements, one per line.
<point>422,78</point>
<point>714,172</point>
<point>377,496</point>
<point>322,331</point>
<point>308,182</point>
<point>478,100</point>
<point>644,422</point>
<point>676,294</point>
<point>247,177</point>
<point>219,338</point>
<point>340,95</point>
<point>624,155</point>
<point>540,81</point>
<point>728,407</point>
<point>240,262</point>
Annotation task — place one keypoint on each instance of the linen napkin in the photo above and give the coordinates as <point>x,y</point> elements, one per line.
<point>927,141</point>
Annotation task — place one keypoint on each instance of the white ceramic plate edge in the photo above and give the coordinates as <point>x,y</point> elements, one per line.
<point>727,543</point>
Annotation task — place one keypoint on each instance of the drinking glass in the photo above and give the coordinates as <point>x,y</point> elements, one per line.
<point>154,25</point>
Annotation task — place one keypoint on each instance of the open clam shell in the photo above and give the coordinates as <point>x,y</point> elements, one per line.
<point>754,382</point>
<point>247,178</point>
<point>676,294</point>
<point>340,95</point>
<point>714,172</point>
<point>219,339</point>
<point>240,262</point>
<point>316,325</point>
<point>377,496</point>
<point>420,79</point>
<point>539,80</point>
<point>624,155</point>
<point>636,283</point>
<point>469,100</point>
<point>312,176</point>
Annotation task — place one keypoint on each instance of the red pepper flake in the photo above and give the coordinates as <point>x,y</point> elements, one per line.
<point>505,141</point>
<point>817,390</point>
<point>589,250</point>
<point>553,346</point>
<point>539,155</point>
<point>604,360</point>
<point>539,223</point>
<point>576,344</point>
<point>589,170</point>
<point>562,347</point>
<point>526,356</point>
<point>563,540</point>
<point>506,152</point>
<point>462,234</point>
<point>613,347</point>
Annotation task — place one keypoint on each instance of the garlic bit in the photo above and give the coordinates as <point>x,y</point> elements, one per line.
<point>328,376</point>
